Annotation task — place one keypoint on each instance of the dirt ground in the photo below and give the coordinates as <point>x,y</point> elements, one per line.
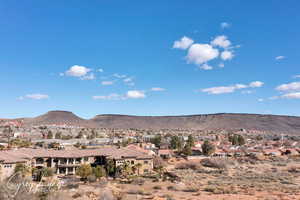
<point>273,179</point>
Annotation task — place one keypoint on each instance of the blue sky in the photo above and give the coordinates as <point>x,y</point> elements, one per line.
<point>149,57</point>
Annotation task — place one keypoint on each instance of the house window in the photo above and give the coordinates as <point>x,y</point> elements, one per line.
<point>86,159</point>
<point>146,170</point>
<point>146,162</point>
<point>132,162</point>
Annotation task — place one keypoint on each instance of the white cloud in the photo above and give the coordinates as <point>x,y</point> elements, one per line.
<point>231,88</point>
<point>297,76</point>
<point>221,41</point>
<point>183,43</point>
<point>201,53</point>
<point>157,89</point>
<point>206,67</point>
<point>129,81</point>
<point>77,71</point>
<point>112,96</point>
<point>219,90</point>
<point>90,76</point>
<point>240,86</point>
<point>294,95</point>
<point>294,86</point>
<point>119,75</point>
<point>135,94</point>
<point>107,82</point>
<point>34,96</point>
<point>224,25</point>
<point>221,65</point>
<point>100,70</point>
<point>279,57</point>
<point>61,74</point>
<point>256,84</point>
<point>247,92</point>
<point>260,100</point>
<point>226,55</point>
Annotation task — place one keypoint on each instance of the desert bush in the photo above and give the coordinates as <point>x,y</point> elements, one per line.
<point>191,189</point>
<point>92,178</point>
<point>172,188</point>
<point>293,169</point>
<point>133,191</point>
<point>218,163</point>
<point>138,181</point>
<point>168,197</point>
<point>72,186</point>
<point>76,195</point>
<point>188,165</point>
<point>157,187</point>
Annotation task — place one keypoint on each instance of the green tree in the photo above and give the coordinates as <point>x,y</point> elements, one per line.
<point>241,140</point>
<point>176,142</point>
<point>58,135</point>
<point>99,171</point>
<point>84,171</point>
<point>110,167</point>
<point>191,141</point>
<point>50,135</point>
<point>156,140</point>
<point>22,169</point>
<point>208,148</point>
<point>187,150</point>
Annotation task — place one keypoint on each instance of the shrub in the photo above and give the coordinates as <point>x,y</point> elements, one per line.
<point>157,187</point>
<point>138,181</point>
<point>172,188</point>
<point>133,191</point>
<point>218,163</point>
<point>188,165</point>
<point>92,178</point>
<point>191,189</point>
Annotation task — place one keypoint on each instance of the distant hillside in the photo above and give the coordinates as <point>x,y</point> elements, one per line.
<point>268,123</point>
<point>272,123</point>
<point>57,117</point>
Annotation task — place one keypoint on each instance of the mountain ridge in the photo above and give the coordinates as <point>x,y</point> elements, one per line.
<point>218,121</point>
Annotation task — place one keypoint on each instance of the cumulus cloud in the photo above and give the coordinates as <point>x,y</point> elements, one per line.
<point>183,43</point>
<point>221,65</point>
<point>293,95</point>
<point>256,84</point>
<point>279,57</point>
<point>297,76</point>
<point>112,96</point>
<point>219,90</point>
<point>201,53</point>
<point>131,94</point>
<point>90,76</point>
<point>34,96</point>
<point>129,81</point>
<point>226,55</point>
<point>135,94</point>
<point>157,89</point>
<point>224,25</point>
<point>294,86</point>
<point>231,88</point>
<point>77,71</point>
<point>206,67</point>
<point>221,41</point>
<point>119,75</point>
<point>100,70</point>
<point>107,82</point>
